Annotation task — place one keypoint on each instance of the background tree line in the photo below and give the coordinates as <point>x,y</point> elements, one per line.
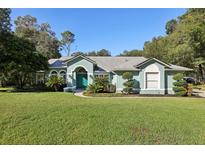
<point>102,52</point>
<point>183,44</point>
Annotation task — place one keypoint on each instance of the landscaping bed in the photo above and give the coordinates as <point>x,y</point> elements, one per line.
<point>129,95</point>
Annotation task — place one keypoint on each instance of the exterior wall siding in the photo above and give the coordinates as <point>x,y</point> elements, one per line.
<point>169,81</point>
<point>118,80</point>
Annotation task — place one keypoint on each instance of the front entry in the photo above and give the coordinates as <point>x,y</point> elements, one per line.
<point>81,81</point>
<point>81,78</point>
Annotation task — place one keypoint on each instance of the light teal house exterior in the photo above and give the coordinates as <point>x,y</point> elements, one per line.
<point>151,76</point>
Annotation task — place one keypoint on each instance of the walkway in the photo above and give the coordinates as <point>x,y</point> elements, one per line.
<point>201,93</point>
<point>79,93</point>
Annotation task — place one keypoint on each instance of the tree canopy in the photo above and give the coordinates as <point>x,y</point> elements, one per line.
<point>5,20</point>
<point>102,52</point>
<point>67,40</point>
<point>132,53</point>
<point>41,35</point>
<point>19,57</point>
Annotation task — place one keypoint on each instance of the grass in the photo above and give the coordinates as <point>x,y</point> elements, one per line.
<point>61,118</point>
<point>6,88</point>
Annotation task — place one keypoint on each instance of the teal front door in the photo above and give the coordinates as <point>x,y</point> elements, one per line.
<point>81,81</point>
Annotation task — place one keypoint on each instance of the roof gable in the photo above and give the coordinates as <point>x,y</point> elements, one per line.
<point>56,63</point>
<point>152,59</point>
<point>80,56</point>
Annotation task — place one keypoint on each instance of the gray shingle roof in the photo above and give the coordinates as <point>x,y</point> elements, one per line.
<point>180,68</point>
<point>117,63</point>
<point>114,63</point>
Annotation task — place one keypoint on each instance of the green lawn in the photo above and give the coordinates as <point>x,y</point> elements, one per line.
<point>61,118</point>
<point>6,88</point>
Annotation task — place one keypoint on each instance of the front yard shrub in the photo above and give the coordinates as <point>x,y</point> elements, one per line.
<point>101,85</point>
<point>180,91</point>
<point>181,88</point>
<point>129,84</point>
<point>94,88</point>
<point>55,82</point>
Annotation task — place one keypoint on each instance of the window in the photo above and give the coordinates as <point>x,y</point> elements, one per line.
<point>39,77</point>
<point>63,75</point>
<point>152,80</point>
<point>101,75</point>
<point>54,73</point>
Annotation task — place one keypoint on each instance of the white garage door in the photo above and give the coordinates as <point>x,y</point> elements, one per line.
<point>152,80</point>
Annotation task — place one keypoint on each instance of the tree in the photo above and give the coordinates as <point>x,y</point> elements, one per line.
<point>179,85</point>
<point>200,65</point>
<point>41,36</point>
<point>55,82</point>
<point>78,53</point>
<point>26,27</point>
<point>5,35</point>
<point>157,48</point>
<point>92,53</point>
<point>48,44</point>
<point>170,26</point>
<point>19,57</point>
<point>21,60</point>
<point>5,20</point>
<point>132,53</point>
<point>25,61</point>
<point>129,84</point>
<point>67,40</point>
<point>182,55</point>
<point>103,52</point>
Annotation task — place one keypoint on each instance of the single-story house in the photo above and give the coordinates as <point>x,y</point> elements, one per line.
<point>152,76</point>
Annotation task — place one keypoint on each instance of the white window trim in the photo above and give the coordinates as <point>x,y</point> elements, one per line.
<point>59,74</point>
<point>145,79</point>
<point>52,72</point>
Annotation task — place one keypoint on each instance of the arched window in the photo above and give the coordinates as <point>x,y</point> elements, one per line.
<point>80,70</point>
<point>54,73</point>
<point>63,75</point>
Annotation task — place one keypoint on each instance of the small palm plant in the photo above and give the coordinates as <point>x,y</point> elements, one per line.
<point>55,82</point>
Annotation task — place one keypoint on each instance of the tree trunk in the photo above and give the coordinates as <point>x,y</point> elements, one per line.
<point>55,88</point>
